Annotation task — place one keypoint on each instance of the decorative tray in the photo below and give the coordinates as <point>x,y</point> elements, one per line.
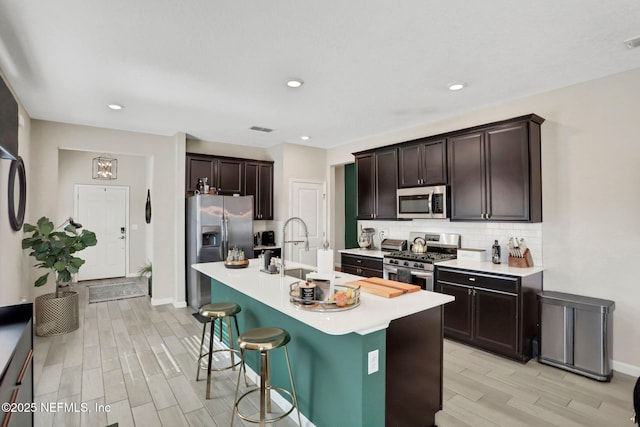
<point>237,264</point>
<point>345,297</point>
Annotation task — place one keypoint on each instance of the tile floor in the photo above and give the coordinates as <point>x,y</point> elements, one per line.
<point>141,361</point>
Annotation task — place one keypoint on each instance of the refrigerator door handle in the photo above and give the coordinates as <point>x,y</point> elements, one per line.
<point>225,237</point>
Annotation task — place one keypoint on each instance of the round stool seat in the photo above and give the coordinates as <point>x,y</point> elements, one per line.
<point>263,339</point>
<point>220,309</point>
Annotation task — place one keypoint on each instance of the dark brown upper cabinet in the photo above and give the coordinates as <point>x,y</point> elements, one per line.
<point>200,166</point>
<point>230,174</point>
<point>495,172</point>
<point>258,182</point>
<point>377,176</point>
<point>422,163</point>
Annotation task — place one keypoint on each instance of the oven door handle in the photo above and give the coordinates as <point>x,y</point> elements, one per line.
<point>390,269</point>
<point>421,273</point>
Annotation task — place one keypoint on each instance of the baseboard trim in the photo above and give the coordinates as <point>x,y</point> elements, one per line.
<point>161,301</point>
<point>179,304</point>
<point>626,368</point>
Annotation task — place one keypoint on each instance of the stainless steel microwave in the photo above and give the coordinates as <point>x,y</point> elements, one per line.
<point>422,202</point>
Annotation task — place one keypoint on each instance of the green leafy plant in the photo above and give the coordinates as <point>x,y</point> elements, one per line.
<point>54,248</point>
<point>145,271</point>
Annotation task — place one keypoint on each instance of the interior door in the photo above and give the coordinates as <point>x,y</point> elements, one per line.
<point>103,210</point>
<point>307,202</point>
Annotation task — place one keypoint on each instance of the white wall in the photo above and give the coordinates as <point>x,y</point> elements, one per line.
<point>167,158</point>
<point>75,167</point>
<point>14,262</point>
<point>293,161</point>
<point>228,150</point>
<point>591,202</point>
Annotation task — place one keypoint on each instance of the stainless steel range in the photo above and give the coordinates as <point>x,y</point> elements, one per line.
<point>415,265</point>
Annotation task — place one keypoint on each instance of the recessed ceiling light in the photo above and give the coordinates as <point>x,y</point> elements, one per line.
<point>305,138</point>
<point>295,83</point>
<point>456,86</point>
<point>115,106</point>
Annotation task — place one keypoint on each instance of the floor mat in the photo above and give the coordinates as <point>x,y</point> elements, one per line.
<point>115,291</point>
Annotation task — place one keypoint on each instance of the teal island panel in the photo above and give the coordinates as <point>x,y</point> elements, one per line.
<point>329,371</point>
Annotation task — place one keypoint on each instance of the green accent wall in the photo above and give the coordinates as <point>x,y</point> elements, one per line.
<point>329,371</point>
<point>350,207</point>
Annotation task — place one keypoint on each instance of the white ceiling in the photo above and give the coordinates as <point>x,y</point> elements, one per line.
<point>214,68</point>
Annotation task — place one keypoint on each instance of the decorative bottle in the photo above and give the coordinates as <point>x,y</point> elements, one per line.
<point>495,253</point>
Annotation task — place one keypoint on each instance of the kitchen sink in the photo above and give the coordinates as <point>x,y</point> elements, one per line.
<point>298,273</point>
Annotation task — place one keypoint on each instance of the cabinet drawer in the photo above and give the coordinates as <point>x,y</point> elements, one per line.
<point>359,271</point>
<point>362,262</point>
<point>477,279</point>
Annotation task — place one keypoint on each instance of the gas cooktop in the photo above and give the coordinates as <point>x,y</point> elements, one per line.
<point>439,247</point>
<point>422,257</point>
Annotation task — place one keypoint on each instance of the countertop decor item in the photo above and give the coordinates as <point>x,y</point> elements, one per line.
<point>237,263</point>
<point>54,249</point>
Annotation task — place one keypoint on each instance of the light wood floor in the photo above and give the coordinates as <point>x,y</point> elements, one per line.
<point>141,360</point>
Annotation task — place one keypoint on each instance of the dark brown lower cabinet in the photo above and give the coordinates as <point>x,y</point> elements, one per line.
<point>16,359</point>
<point>494,312</point>
<point>361,265</point>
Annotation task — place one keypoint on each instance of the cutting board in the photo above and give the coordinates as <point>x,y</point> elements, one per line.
<point>372,288</point>
<point>406,287</point>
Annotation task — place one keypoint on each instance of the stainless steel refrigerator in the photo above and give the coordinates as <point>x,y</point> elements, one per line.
<point>215,224</point>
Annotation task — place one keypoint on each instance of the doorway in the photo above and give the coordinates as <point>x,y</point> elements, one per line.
<point>105,211</point>
<point>308,201</point>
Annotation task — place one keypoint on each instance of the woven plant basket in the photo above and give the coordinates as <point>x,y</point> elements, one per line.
<point>57,315</point>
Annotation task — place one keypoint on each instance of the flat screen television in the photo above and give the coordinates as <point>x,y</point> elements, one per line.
<point>8,123</point>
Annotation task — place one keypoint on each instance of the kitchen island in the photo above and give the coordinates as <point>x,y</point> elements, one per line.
<point>377,364</point>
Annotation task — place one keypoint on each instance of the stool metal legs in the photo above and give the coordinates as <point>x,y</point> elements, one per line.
<point>231,350</point>
<point>265,391</point>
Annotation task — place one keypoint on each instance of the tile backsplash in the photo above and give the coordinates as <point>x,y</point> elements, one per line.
<point>475,235</point>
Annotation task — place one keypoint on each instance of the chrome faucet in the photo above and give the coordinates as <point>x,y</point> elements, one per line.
<point>295,242</point>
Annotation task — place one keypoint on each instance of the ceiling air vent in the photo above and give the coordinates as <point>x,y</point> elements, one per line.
<point>261,129</point>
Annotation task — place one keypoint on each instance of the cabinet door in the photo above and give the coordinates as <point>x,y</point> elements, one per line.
<point>251,186</point>
<point>434,161</point>
<point>457,314</point>
<point>265,193</point>
<point>258,182</point>
<point>495,322</point>
<point>200,166</point>
<point>229,176</point>
<point>507,154</point>
<point>409,165</point>
<point>467,176</point>
<point>386,175</point>
<point>365,176</point>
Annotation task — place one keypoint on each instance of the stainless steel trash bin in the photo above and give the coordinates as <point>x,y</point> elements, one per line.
<point>576,333</point>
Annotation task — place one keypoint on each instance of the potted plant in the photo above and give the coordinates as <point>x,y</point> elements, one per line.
<point>54,249</point>
<point>146,271</point>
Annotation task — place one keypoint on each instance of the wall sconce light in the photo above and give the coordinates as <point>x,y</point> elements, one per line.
<point>105,168</point>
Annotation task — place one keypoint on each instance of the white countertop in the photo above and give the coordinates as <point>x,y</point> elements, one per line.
<point>263,247</point>
<point>364,252</point>
<point>373,314</point>
<point>490,267</point>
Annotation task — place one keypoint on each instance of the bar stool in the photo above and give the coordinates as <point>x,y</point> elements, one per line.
<point>264,340</point>
<point>211,313</point>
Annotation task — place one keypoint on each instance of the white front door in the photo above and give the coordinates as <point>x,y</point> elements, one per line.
<point>103,210</point>
<point>308,201</point>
